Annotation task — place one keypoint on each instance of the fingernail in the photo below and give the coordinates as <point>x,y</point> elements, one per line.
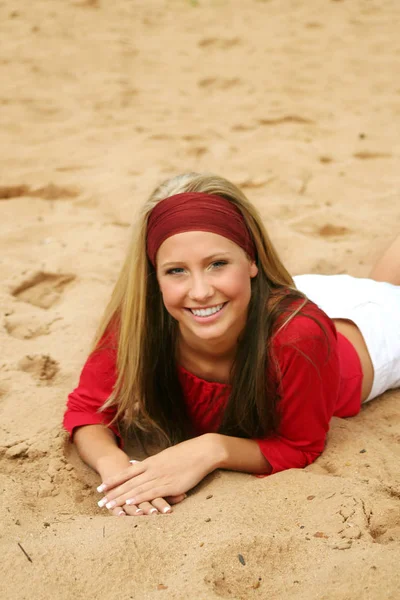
<point>167,509</point>
<point>133,461</point>
<point>152,511</point>
<point>130,501</point>
<point>121,513</point>
<point>101,488</point>
<point>102,502</point>
<point>139,510</point>
<point>111,504</point>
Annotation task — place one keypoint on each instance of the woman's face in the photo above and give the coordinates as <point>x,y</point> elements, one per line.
<point>204,280</point>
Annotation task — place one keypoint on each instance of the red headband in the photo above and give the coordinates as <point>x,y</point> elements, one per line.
<point>195,211</point>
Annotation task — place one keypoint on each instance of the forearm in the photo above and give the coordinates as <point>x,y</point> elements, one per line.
<point>98,448</point>
<point>236,454</point>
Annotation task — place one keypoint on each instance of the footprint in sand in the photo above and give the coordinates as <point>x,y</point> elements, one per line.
<point>197,151</point>
<point>367,155</point>
<point>243,127</point>
<point>47,192</point>
<point>43,289</point>
<point>87,3</point>
<point>385,528</point>
<point>235,570</point>
<point>356,518</point>
<point>219,43</point>
<point>219,83</point>
<point>5,387</point>
<point>192,137</point>
<point>294,119</point>
<point>26,324</point>
<point>384,524</point>
<point>325,159</point>
<point>42,367</point>
<point>330,230</point>
<point>325,230</point>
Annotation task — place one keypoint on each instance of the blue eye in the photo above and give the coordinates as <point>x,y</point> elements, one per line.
<point>219,263</point>
<point>175,271</point>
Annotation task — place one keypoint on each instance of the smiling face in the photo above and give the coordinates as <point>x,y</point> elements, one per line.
<point>204,280</point>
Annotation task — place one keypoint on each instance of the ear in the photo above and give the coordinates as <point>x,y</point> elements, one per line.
<point>253,269</point>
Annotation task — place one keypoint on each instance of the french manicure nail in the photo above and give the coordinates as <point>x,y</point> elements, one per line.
<point>130,501</point>
<point>111,504</point>
<point>152,511</point>
<point>101,488</point>
<point>167,509</point>
<point>121,513</point>
<point>139,510</point>
<point>102,502</point>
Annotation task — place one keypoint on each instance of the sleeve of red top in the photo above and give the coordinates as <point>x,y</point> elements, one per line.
<point>95,386</point>
<point>310,377</point>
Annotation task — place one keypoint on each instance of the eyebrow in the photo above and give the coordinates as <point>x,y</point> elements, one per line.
<point>205,259</point>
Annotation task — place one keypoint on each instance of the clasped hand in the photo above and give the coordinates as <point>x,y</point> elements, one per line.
<point>171,472</point>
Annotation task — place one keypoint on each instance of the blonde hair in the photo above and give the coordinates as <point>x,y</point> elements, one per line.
<point>128,309</point>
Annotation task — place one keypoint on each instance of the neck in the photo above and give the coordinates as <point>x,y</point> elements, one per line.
<point>207,350</point>
<point>212,363</point>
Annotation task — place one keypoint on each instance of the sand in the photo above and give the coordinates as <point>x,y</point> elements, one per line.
<point>298,103</point>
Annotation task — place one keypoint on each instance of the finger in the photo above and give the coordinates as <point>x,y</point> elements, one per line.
<point>143,493</point>
<point>119,495</point>
<point>133,511</point>
<point>176,499</point>
<point>118,512</point>
<point>112,482</point>
<point>148,508</point>
<point>161,505</point>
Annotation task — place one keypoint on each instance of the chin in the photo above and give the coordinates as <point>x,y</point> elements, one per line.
<point>213,333</point>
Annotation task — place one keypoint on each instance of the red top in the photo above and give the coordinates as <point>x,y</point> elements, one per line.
<point>317,382</point>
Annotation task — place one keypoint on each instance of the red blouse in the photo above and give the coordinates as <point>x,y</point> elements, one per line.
<point>320,377</point>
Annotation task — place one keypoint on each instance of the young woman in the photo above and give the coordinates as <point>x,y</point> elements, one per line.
<point>210,349</point>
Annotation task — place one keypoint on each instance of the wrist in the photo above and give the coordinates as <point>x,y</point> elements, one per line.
<point>216,450</point>
<point>112,462</point>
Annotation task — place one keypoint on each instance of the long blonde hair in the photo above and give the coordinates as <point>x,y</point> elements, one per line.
<point>136,310</point>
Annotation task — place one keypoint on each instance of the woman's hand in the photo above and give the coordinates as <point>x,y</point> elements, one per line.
<point>172,472</point>
<point>144,508</point>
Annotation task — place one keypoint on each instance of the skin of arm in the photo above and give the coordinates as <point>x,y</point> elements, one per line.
<point>237,454</point>
<point>179,468</point>
<point>98,448</point>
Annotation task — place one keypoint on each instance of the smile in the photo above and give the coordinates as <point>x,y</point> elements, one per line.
<point>206,312</point>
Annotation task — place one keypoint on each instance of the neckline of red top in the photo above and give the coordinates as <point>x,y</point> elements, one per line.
<point>195,378</point>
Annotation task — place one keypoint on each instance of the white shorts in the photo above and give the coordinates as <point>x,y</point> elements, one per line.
<point>374,307</point>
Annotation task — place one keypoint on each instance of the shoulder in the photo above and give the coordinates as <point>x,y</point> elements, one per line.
<point>302,320</point>
<point>304,356</point>
<point>304,334</point>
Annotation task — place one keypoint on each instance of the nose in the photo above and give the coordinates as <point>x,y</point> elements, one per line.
<point>200,289</point>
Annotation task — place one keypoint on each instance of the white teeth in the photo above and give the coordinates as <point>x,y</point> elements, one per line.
<point>206,312</point>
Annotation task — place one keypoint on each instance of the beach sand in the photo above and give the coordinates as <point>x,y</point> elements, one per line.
<point>297,103</point>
